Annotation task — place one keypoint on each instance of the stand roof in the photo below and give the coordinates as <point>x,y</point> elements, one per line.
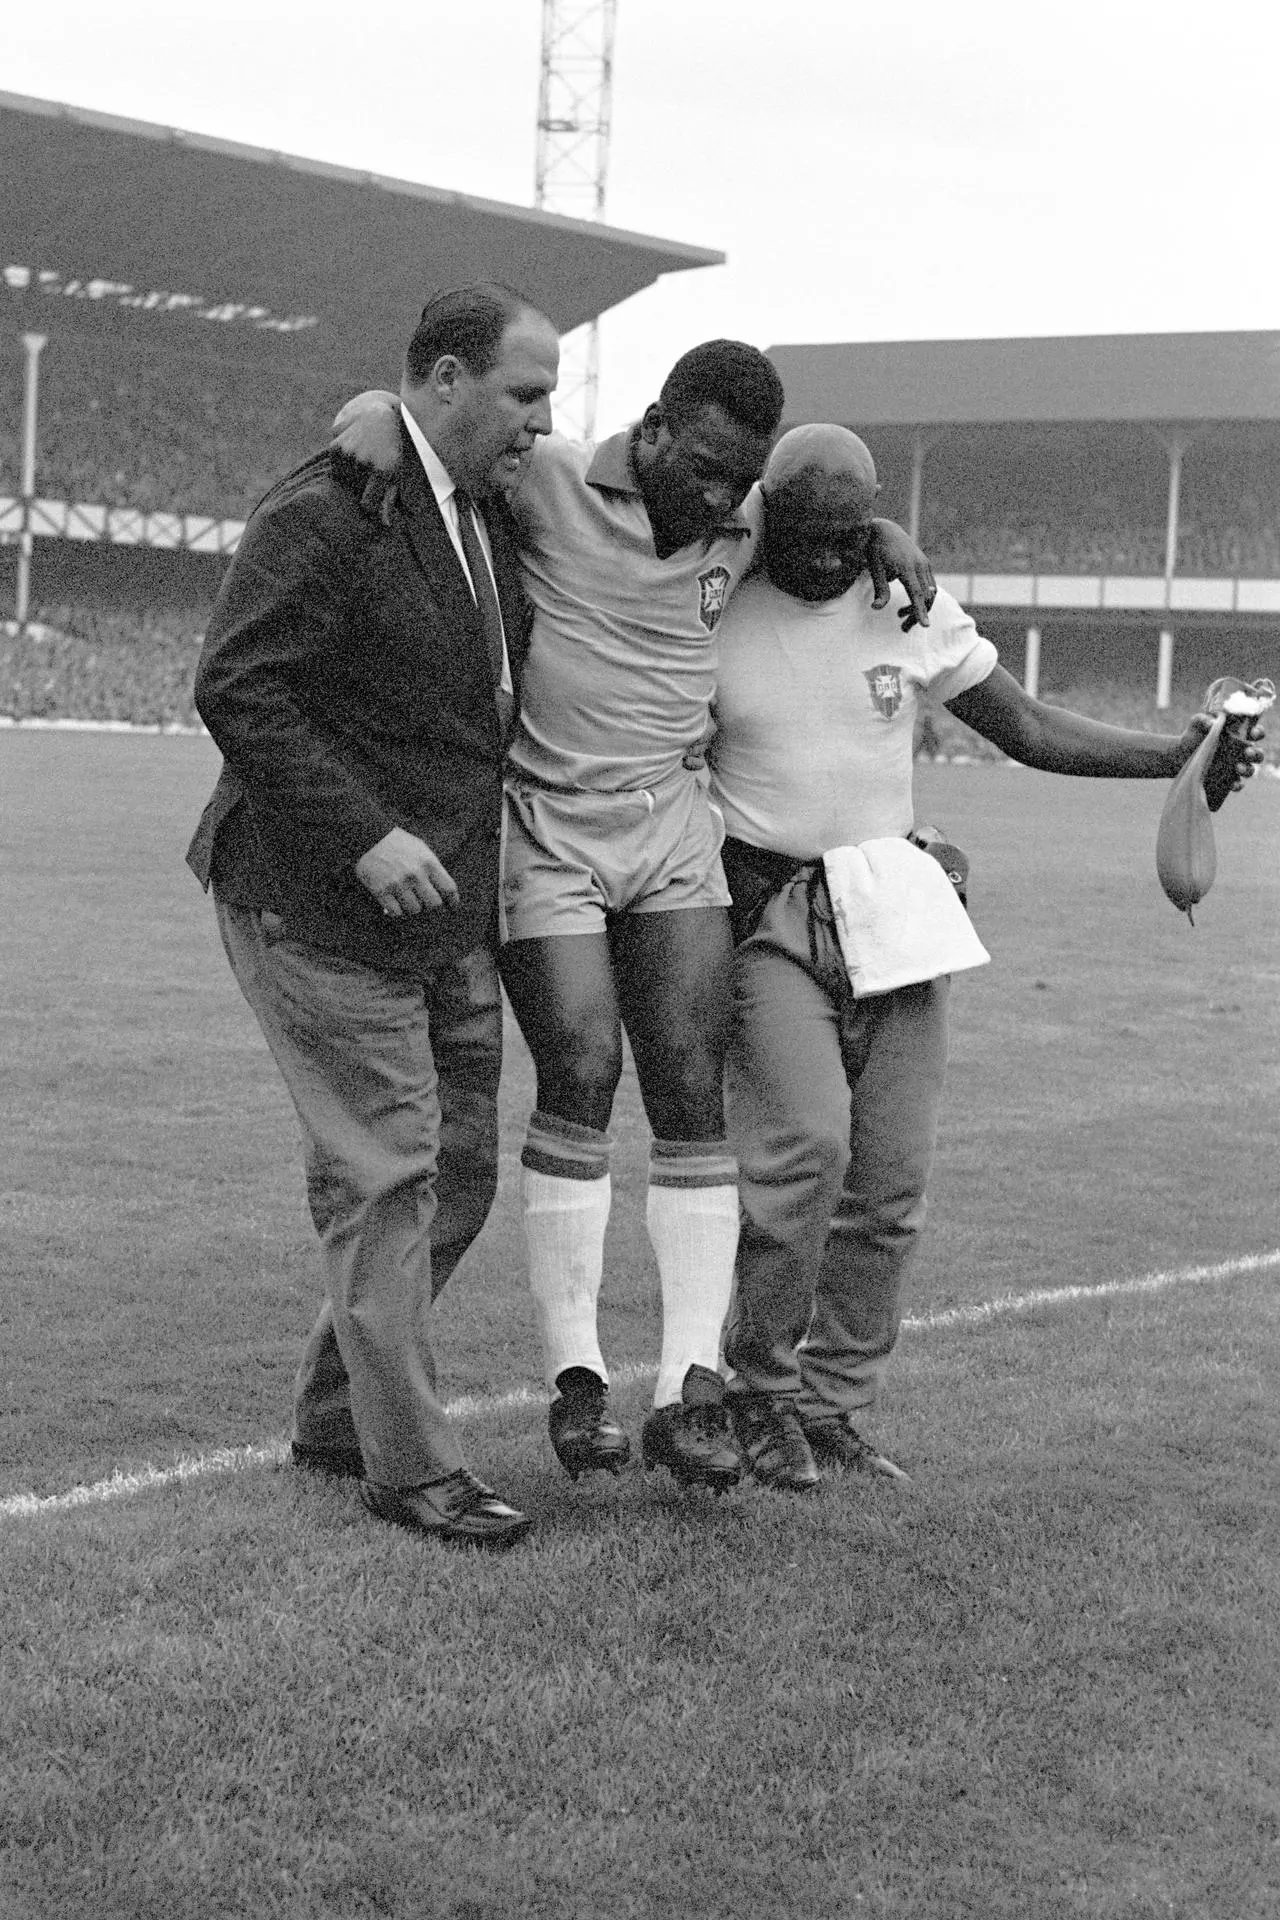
<point>183,245</point>
<point>1153,377</point>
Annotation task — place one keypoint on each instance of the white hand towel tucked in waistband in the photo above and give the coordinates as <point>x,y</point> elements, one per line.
<point>898,917</point>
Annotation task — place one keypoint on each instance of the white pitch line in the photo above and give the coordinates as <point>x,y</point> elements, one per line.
<point>20,1506</point>
<point>221,1460</point>
<point>176,727</point>
<point>1058,1296</point>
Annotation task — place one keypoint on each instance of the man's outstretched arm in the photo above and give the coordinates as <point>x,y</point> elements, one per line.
<point>1058,740</point>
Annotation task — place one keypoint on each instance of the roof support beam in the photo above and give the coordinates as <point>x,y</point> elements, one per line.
<point>919,447</point>
<point>32,346</point>
<point>1176,444</point>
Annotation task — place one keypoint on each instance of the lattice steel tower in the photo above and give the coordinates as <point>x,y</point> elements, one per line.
<point>575,97</point>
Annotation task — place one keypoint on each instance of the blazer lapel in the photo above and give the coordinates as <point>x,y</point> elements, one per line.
<point>429,538</point>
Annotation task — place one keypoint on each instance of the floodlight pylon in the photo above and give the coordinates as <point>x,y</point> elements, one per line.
<point>575,103</point>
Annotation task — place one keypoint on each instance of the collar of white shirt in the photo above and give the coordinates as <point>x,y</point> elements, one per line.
<point>444,488</point>
<point>442,484</point>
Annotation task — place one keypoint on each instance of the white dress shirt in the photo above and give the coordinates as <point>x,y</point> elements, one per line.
<point>445,491</point>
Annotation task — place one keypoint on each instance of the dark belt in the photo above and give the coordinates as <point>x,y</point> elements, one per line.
<point>754,875</point>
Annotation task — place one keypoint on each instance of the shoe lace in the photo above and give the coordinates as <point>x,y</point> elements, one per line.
<point>708,1419</point>
<point>469,1485</point>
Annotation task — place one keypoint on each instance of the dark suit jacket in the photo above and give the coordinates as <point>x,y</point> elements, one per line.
<point>344,675</point>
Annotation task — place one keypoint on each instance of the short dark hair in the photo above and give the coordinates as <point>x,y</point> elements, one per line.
<point>466,321</point>
<point>728,374</point>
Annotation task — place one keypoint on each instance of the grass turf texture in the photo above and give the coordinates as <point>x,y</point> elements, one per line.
<point>1041,1683</point>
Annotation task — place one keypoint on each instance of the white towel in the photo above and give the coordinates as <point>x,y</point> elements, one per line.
<point>898,917</point>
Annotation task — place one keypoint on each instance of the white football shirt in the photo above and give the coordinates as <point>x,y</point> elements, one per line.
<point>815,712</point>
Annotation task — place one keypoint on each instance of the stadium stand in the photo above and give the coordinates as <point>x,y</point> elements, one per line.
<point>115,630</point>
<point>1094,501</point>
<point>1010,509</point>
<point>196,341</point>
<point>123,432</point>
<point>1042,476</point>
<point>118,429</point>
<point>101,664</point>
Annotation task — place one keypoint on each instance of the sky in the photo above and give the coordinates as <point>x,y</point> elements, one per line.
<point>934,171</point>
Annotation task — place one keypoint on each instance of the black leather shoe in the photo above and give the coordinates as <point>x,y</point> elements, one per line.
<point>773,1443</point>
<point>691,1439</point>
<point>839,1444</point>
<point>583,1435</point>
<point>458,1508</point>
<point>341,1463</point>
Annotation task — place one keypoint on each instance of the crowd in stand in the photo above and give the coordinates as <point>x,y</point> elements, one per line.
<point>126,433</point>
<point>1055,517</point>
<point>91,663</point>
<point>123,431</point>
<point>132,434</point>
<point>1034,545</point>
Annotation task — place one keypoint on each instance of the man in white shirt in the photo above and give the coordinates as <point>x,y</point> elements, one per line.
<point>834,1095</point>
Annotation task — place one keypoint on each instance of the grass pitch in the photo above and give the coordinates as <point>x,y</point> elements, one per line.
<point>1040,1684</point>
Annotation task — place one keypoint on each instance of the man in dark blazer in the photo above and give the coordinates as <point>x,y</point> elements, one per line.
<point>360,679</point>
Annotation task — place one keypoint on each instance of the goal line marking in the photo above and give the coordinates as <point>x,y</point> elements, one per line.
<point>236,1459</point>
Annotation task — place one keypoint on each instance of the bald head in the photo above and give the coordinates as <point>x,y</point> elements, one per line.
<point>809,455</point>
<point>820,490</point>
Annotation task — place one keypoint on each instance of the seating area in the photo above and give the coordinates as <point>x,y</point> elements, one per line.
<point>121,431</point>
<point>1231,549</point>
<point>91,663</point>
<point>1093,500</point>
<point>125,433</point>
<point>112,644</point>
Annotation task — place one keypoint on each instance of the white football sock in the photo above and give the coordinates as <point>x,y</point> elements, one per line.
<point>565,1216</point>
<point>692,1216</point>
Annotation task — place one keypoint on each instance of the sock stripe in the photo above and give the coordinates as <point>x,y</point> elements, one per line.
<point>691,1163</point>
<point>564,1149</point>
<point>535,1160</point>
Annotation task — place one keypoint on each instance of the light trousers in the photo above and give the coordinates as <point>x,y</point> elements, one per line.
<point>833,1113</point>
<point>395,1084</point>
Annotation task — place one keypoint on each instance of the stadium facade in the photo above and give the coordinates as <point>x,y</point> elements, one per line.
<point>185,314</point>
<point>1091,499</point>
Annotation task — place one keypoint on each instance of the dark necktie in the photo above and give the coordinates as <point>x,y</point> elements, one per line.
<point>487,604</point>
<point>478,566</point>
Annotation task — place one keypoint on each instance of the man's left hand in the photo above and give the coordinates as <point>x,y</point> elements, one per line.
<point>894,555</point>
<point>366,441</point>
